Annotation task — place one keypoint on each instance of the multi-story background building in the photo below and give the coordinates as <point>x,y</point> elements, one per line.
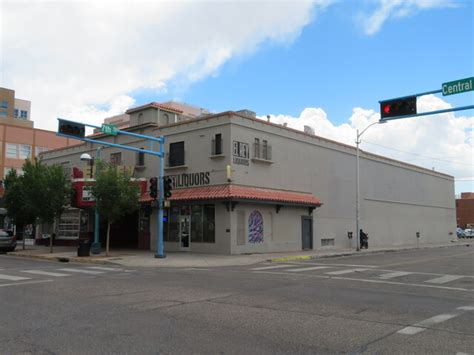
<point>19,139</point>
<point>244,185</point>
<point>465,210</point>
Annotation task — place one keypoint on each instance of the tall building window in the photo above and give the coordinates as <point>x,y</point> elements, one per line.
<point>217,145</point>
<point>25,151</point>
<point>176,155</point>
<point>115,159</point>
<point>265,149</point>
<point>4,104</point>
<point>141,159</point>
<point>23,114</point>
<point>12,151</point>
<point>16,113</point>
<point>257,148</point>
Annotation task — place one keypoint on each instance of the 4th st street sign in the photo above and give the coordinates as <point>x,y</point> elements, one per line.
<point>458,86</point>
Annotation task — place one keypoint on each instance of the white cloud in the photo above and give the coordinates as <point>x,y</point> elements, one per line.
<point>389,9</point>
<point>444,141</point>
<point>69,58</point>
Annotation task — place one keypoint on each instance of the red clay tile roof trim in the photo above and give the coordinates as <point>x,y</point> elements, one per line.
<point>154,105</point>
<point>236,192</point>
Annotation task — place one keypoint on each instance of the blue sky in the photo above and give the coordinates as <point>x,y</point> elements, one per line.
<point>334,65</point>
<point>321,63</point>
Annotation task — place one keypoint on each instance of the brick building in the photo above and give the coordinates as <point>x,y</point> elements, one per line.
<point>465,210</point>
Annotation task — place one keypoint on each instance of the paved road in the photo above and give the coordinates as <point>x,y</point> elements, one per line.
<point>406,302</point>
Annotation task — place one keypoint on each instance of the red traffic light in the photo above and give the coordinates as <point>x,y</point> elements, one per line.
<point>399,107</point>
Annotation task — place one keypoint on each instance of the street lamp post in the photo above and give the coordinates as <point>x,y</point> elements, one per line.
<point>95,247</point>
<point>357,181</point>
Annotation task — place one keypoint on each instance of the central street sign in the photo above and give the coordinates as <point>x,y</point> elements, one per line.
<point>458,86</point>
<point>109,129</point>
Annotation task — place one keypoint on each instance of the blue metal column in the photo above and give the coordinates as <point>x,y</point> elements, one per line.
<point>159,238</point>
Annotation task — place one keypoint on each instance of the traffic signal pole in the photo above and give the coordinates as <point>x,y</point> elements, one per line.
<point>76,130</point>
<point>161,201</point>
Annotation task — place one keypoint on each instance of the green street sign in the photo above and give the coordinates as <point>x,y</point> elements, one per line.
<point>458,86</point>
<point>109,129</point>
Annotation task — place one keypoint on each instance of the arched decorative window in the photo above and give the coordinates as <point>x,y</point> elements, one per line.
<point>255,227</point>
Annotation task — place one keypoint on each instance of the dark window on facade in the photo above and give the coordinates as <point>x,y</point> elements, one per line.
<point>257,148</point>
<point>4,104</point>
<point>217,145</point>
<point>16,113</point>
<point>176,155</point>
<point>196,224</point>
<point>116,158</point>
<point>209,224</point>
<point>141,159</point>
<point>264,149</point>
<point>23,114</point>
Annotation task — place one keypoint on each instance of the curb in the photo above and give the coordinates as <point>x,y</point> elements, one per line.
<point>61,258</point>
<point>358,253</point>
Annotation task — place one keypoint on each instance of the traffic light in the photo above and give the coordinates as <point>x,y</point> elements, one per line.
<point>167,187</point>
<point>153,187</point>
<point>399,107</point>
<point>71,128</point>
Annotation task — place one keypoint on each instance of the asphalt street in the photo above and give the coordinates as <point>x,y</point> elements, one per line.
<point>418,301</point>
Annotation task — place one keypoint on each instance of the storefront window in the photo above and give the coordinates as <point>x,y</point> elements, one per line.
<point>196,224</point>
<point>209,233</point>
<point>173,225</point>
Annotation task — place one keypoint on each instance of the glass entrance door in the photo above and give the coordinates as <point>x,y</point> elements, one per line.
<point>184,232</point>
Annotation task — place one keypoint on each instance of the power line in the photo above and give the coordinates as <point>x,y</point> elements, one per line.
<point>420,155</point>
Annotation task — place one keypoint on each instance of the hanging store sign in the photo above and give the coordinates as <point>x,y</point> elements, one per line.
<point>241,153</point>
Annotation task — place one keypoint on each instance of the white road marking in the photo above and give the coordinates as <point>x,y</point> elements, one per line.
<point>25,283</point>
<point>91,272</point>
<point>444,279</point>
<point>373,281</point>
<point>421,326</point>
<point>271,267</point>
<point>104,268</point>
<point>391,275</point>
<point>13,278</point>
<point>309,268</point>
<point>342,272</point>
<point>46,273</point>
<point>410,330</point>
<point>466,308</point>
<point>326,264</point>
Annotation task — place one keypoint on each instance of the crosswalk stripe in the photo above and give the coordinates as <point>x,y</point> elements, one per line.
<point>92,272</point>
<point>309,268</point>
<point>104,268</point>
<point>342,272</point>
<point>13,278</point>
<point>444,279</point>
<point>391,275</point>
<point>421,326</point>
<point>46,273</point>
<point>271,267</point>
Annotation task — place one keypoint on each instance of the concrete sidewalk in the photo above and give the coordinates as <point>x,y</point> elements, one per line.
<point>141,258</point>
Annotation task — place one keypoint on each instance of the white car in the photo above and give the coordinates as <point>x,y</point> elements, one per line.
<point>469,233</point>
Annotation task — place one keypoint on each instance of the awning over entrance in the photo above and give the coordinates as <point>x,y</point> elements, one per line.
<point>231,192</point>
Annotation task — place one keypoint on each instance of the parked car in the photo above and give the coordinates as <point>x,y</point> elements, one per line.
<point>7,241</point>
<point>460,232</point>
<point>469,233</point>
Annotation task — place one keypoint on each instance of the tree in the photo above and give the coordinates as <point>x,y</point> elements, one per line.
<point>115,195</point>
<point>16,202</point>
<point>40,193</point>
